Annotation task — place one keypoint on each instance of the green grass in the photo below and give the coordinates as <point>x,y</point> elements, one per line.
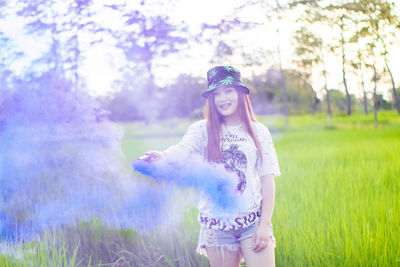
<point>46,252</point>
<point>337,201</point>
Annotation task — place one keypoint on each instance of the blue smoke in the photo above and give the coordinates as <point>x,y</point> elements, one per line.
<point>213,181</point>
<point>61,164</point>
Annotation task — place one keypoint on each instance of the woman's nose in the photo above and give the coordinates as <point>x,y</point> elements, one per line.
<point>222,97</point>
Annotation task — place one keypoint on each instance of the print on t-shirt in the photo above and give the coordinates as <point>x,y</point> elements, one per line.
<point>236,161</point>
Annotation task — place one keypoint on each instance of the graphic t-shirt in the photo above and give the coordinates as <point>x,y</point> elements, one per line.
<point>239,156</point>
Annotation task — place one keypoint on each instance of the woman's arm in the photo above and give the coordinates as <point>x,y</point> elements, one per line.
<point>175,152</point>
<point>192,142</point>
<point>261,236</point>
<point>268,198</point>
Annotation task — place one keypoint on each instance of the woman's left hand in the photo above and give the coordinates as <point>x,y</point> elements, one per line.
<point>261,238</point>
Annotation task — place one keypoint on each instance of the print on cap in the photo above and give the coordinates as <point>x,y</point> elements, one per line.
<point>224,76</point>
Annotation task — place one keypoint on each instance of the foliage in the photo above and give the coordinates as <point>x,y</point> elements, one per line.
<point>339,101</point>
<point>182,99</point>
<point>144,37</point>
<point>63,24</point>
<point>266,95</point>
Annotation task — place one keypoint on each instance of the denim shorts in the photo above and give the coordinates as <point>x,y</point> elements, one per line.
<point>226,239</point>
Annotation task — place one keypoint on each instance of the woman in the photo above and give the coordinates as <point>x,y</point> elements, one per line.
<point>231,136</point>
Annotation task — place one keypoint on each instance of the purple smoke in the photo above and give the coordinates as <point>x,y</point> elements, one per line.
<point>61,163</point>
<point>213,181</point>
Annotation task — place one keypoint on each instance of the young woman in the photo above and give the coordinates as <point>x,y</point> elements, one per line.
<point>230,135</point>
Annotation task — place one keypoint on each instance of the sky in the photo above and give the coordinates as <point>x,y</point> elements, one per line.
<point>102,62</point>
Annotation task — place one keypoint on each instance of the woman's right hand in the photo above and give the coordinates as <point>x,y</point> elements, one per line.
<point>154,155</point>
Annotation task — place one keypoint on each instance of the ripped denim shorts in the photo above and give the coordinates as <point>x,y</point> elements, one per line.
<point>226,239</point>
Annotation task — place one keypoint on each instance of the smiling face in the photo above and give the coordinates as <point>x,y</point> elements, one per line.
<point>226,101</point>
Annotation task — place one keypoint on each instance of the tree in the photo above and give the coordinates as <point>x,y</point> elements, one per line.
<point>339,102</point>
<point>301,95</point>
<point>143,40</point>
<point>64,23</point>
<point>227,48</point>
<point>310,51</point>
<point>218,36</point>
<point>129,102</point>
<point>379,15</point>
<point>8,55</point>
<point>183,97</point>
<point>267,97</point>
<point>283,79</point>
<point>334,16</point>
<point>358,63</point>
<point>375,80</point>
<point>342,24</point>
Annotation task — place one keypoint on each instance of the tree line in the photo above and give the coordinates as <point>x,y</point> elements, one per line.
<point>362,31</point>
<point>358,32</point>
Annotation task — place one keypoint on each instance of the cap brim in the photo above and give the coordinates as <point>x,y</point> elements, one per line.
<point>241,86</point>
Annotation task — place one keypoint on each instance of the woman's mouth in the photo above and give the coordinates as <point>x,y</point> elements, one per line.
<point>225,106</point>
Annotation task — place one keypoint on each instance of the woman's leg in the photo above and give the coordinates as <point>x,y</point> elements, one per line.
<point>265,257</point>
<point>222,257</point>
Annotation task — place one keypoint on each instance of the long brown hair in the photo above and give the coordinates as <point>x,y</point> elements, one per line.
<point>214,122</point>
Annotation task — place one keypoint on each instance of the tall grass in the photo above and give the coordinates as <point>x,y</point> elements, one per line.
<point>337,202</point>
<point>46,251</point>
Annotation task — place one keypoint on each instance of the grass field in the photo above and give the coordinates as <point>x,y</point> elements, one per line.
<point>337,201</point>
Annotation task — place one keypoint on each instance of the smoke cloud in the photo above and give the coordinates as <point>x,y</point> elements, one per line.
<point>211,180</point>
<point>61,163</point>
